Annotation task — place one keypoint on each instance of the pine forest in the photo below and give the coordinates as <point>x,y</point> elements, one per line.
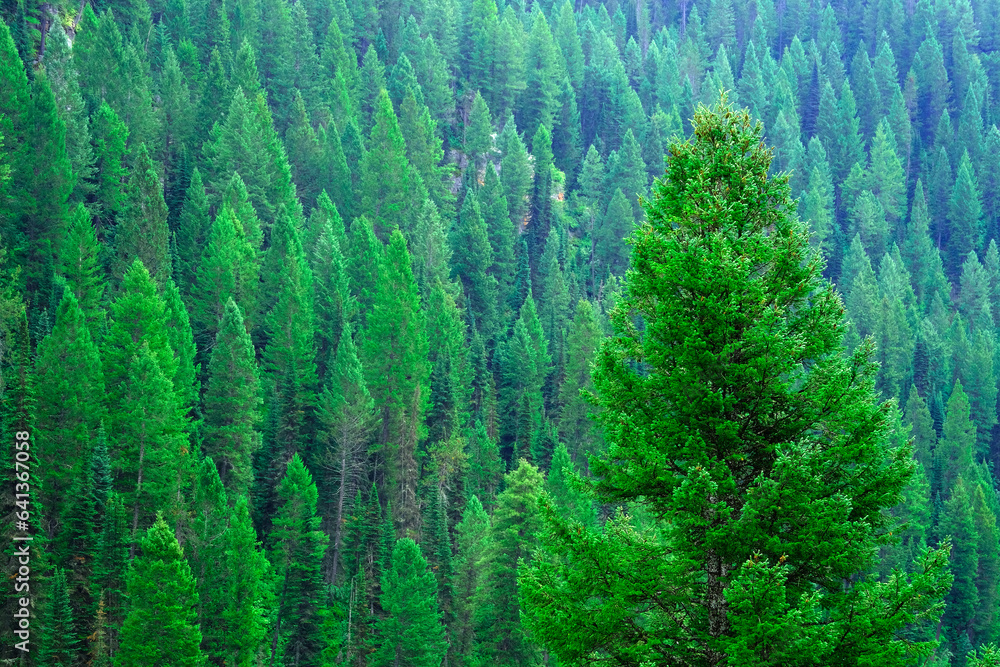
<point>497,333</point>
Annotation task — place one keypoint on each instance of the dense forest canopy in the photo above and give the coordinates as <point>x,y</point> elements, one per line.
<point>327,322</point>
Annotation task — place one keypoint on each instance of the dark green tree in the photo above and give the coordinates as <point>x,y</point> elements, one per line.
<point>575,427</point>
<point>58,644</point>
<point>472,540</point>
<point>142,229</point>
<point>957,523</point>
<point>298,546</point>
<point>964,217</point>
<point>472,259</point>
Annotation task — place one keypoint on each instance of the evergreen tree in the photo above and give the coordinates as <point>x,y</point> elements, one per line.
<point>485,465</point>
<point>957,522</point>
<point>58,645</point>
<point>68,410</point>
<point>560,483</point>
<point>347,417</point>
<point>918,417</point>
<point>386,181</point>
<point>501,231</point>
<point>515,173</point>
<point>44,182</point>
<point>575,428</point>
<point>472,258</point>
<point>228,270</point>
<point>479,131</point>
<point>522,362</point>
<point>232,401</point>
<point>229,568</point>
<point>192,229</point>
<point>964,216</point>
<point>514,534</point>
<point>472,536</point>
<point>161,627</point>
<point>334,305</point>
<point>396,372</point>
<point>956,449</point>
<point>682,288</point>
<point>988,550</point>
<point>247,143</point>
<point>110,570</point>
<point>142,230</point>
<point>541,195</point>
<point>538,104</point>
<point>609,248</point>
<point>298,547</point>
<point>411,632</point>
<point>430,249</point>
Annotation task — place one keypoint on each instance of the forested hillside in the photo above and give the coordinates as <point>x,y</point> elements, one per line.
<point>300,302</point>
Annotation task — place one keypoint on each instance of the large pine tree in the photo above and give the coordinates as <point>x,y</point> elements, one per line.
<point>728,439</point>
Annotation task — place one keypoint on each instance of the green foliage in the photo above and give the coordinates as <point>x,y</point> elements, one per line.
<point>514,534</point>
<point>297,553</point>
<point>396,372</point>
<point>70,384</point>
<point>386,181</point>
<point>232,402</point>
<point>161,627</point>
<point>142,229</point>
<point>720,246</point>
<point>57,644</point>
<point>411,631</point>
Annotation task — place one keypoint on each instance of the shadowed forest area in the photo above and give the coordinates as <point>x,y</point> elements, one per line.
<point>460,333</point>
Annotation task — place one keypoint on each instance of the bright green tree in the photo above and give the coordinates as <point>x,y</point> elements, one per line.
<point>79,264</point>
<point>232,402</point>
<point>411,632</point>
<point>514,534</point>
<point>397,372</point>
<point>229,568</point>
<point>561,483</point>
<point>722,257</point>
<point>161,627</point>
<point>386,181</point>
<point>228,269</point>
